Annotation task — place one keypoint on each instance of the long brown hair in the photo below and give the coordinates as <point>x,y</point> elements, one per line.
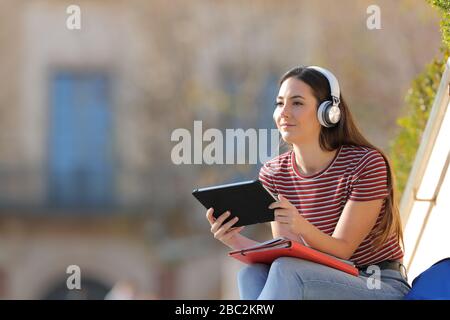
<point>346,132</point>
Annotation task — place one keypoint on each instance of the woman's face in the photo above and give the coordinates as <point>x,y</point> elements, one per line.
<point>296,112</point>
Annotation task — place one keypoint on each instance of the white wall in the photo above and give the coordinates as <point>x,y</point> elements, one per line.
<point>427,232</point>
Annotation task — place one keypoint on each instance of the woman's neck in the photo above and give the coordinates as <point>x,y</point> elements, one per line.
<point>311,159</point>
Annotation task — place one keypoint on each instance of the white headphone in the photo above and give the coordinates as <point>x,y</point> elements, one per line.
<point>328,112</point>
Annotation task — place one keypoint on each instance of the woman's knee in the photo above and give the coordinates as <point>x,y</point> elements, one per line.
<point>286,264</point>
<point>301,269</point>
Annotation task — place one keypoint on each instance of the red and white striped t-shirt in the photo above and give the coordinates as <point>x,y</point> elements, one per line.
<point>356,173</point>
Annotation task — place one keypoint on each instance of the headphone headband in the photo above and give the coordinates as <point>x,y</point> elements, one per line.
<point>334,84</point>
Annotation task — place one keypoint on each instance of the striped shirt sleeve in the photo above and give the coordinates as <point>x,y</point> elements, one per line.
<point>266,177</point>
<point>370,178</point>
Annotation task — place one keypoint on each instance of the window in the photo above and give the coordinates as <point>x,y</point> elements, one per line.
<point>80,141</point>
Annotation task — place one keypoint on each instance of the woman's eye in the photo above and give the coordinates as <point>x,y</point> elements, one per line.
<point>278,104</point>
<point>297,103</point>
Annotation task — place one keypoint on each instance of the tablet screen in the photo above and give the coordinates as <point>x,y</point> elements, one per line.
<point>248,200</point>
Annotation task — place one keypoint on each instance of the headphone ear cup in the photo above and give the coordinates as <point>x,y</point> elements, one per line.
<point>322,113</point>
<point>333,115</point>
<point>328,114</point>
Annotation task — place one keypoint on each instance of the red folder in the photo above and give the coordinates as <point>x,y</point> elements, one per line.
<point>267,252</point>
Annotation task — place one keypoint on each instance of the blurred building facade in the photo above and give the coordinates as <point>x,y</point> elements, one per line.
<point>86,115</point>
<point>68,196</point>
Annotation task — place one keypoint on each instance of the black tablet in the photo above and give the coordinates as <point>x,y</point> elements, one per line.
<point>248,200</point>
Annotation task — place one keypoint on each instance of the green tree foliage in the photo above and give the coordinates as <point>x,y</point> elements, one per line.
<point>444,7</point>
<point>419,101</point>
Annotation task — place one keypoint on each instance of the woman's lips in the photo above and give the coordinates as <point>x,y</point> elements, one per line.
<point>284,126</point>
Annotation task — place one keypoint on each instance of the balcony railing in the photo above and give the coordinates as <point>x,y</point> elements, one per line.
<point>32,191</point>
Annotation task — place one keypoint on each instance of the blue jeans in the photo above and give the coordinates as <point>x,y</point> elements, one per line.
<point>296,279</point>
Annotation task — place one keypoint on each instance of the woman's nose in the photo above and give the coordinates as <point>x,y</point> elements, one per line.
<point>284,111</point>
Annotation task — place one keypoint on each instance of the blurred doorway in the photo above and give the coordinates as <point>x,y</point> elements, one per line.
<point>91,289</point>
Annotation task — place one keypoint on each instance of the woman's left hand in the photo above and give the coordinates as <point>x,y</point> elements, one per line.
<point>287,214</point>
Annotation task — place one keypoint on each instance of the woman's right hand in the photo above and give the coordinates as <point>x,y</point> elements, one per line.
<point>223,232</point>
